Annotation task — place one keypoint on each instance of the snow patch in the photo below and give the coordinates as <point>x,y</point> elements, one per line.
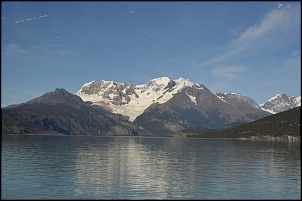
<point>221,98</point>
<point>193,98</point>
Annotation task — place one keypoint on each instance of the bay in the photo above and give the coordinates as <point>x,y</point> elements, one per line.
<point>92,167</point>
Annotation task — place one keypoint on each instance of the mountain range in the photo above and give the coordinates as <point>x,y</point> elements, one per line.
<point>160,107</point>
<point>164,106</point>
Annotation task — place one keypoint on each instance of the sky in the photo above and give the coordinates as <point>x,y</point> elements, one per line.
<point>252,48</point>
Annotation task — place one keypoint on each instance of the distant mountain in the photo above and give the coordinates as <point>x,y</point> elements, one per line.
<point>164,106</point>
<point>62,112</point>
<point>281,126</point>
<point>243,103</point>
<point>280,103</point>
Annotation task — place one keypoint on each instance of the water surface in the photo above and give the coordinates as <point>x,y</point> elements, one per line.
<point>88,167</point>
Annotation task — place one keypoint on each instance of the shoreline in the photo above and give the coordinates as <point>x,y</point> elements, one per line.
<point>288,138</point>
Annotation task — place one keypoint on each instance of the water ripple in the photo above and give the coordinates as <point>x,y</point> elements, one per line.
<point>83,167</point>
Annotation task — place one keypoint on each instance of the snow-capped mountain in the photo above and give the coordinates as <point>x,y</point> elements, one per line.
<point>163,105</point>
<point>280,103</point>
<point>130,99</point>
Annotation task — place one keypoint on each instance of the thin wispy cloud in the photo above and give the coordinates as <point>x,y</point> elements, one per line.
<point>16,51</point>
<point>30,19</point>
<point>235,32</point>
<point>229,72</point>
<point>274,23</point>
<point>292,62</point>
<point>275,30</point>
<point>54,45</point>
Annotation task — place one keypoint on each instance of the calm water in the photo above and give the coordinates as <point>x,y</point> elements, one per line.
<point>86,167</point>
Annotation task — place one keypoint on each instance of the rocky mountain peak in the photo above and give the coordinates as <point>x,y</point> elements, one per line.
<point>279,97</point>
<point>58,96</point>
<point>281,102</point>
<point>234,98</point>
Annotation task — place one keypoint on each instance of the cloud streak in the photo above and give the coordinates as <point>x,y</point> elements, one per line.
<point>16,51</point>
<point>29,19</point>
<point>278,28</point>
<point>229,72</point>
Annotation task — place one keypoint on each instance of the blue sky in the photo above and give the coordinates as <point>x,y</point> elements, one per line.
<point>250,48</point>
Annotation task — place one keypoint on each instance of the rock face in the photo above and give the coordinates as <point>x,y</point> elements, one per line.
<point>164,106</point>
<point>243,103</point>
<point>280,103</point>
<point>62,112</point>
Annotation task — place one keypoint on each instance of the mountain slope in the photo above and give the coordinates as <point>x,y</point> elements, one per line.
<point>280,103</point>
<point>62,112</point>
<point>284,125</point>
<point>243,103</point>
<point>206,110</point>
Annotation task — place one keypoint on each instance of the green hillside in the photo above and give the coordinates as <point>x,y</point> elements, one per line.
<point>280,125</point>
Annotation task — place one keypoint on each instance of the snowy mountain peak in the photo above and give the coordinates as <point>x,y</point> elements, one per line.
<point>184,82</point>
<point>89,83</point>
<point>279,96</point>
<point>281,102</point>
<point>160,80</point>
<point>159,83</point>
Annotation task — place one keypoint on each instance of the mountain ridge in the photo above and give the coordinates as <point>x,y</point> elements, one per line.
<point>161,107</point>
<point>130,99</point>
<point>165,106</point>
<point>125,97</point>
<point>100,93</point>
